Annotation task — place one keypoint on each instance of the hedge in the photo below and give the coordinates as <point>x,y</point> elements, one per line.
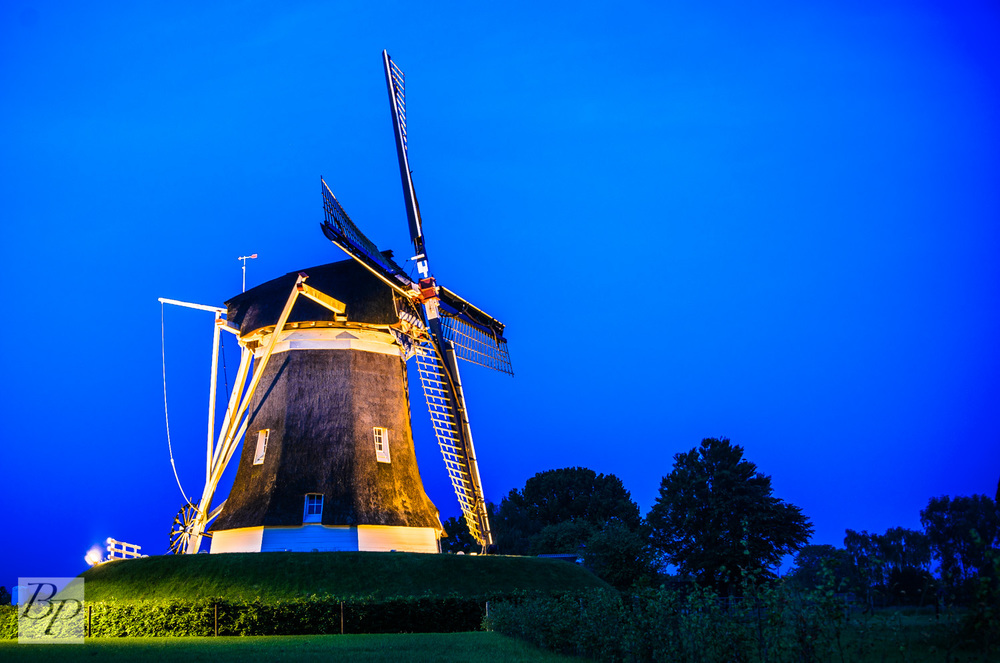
<point>8,622</point>
<point>665,625</point>
<point>304,616</point>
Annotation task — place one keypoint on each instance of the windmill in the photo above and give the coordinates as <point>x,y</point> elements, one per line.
<point>340,369</point>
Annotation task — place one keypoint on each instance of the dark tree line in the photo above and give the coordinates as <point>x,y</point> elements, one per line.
<point>895,564</point>
<point>964,536</point>
<point>717,521</point>
<point>960,540</point>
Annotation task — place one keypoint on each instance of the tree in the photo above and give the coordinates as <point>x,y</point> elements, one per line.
<point>903,549</point>
<point>866,552</point>
<point>716,519</point>
<point>458,537</point>
<point>820,565</point>
<point>574,494</point>
<point>911,585</point>
<point>962,532</point>
<point>893,565</point>
<point>567,536</point>
<point>620,556</point>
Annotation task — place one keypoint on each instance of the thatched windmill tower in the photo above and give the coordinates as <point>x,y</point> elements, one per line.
<point>329,438</point>
<point>321,400</point>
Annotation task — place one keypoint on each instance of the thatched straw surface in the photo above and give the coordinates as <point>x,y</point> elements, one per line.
<point>367,298</point>
<point>321,407</point>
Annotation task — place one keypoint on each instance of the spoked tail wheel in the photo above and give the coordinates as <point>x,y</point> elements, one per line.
<point>180,532</point>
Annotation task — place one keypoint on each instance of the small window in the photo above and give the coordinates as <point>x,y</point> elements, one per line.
<point>258,457</point>
<point>382,445</point>
<point>314,509</point>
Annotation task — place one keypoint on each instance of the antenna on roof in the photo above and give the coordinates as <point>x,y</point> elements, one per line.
<point>244,259</point>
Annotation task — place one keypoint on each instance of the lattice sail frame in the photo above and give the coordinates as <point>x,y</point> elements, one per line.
<point>397,82</point>
<point>460,464</point>
<point>476,344</point>
<point>459,456</point>
<point>340,230</point>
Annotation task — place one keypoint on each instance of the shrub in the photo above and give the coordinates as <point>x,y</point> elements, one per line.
<point>8,622</point>
<point>588,624</point>
<point>768,623</point>
<point>305,616</point>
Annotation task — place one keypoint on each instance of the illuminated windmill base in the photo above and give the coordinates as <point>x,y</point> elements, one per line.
<point>328,461</point>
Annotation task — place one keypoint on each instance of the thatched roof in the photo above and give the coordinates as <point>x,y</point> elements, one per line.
<point>367,298</point>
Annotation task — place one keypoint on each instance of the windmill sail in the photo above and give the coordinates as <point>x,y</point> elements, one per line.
<point>476,336</point>
<point>451,428</point>
<point>340,230</point>
<point>397,104</point>
<point>474,345</point>
<point>455,329</point>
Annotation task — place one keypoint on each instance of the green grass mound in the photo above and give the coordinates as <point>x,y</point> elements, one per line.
<point>285,575</point>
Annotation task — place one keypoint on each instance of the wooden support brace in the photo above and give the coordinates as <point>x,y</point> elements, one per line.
<point>323,299</point>
<point>236,425</point>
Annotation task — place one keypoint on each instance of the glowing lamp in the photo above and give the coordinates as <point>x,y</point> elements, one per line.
<point>93,557</point>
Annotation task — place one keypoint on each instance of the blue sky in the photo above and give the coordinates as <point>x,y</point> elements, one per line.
<point>776,223</point>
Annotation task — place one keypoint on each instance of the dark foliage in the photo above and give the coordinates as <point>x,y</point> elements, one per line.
<point>773,623</point>
<point>620,556</point>
<point>716,519</point>
<point>866,555</point>
<point>549,498</point>
<point>911,586</point>
<point>892,568</point>
<point>825,565</point>
<point>459,539</point>
<point>304,616</point>
<point>776,623</point>
<point>982,623</point>
<point>962,531</point>
<point>587,624</point>
<point>903,548</point>
<point>567,537</point>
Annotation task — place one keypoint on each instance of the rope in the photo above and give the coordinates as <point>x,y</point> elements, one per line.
<point>166,415</point>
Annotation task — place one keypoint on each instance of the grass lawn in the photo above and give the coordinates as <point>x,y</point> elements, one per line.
<point>284,575</point>
<point>416,647</point>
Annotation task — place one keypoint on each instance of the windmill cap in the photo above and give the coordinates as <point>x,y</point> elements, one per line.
<point>367,298</point>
